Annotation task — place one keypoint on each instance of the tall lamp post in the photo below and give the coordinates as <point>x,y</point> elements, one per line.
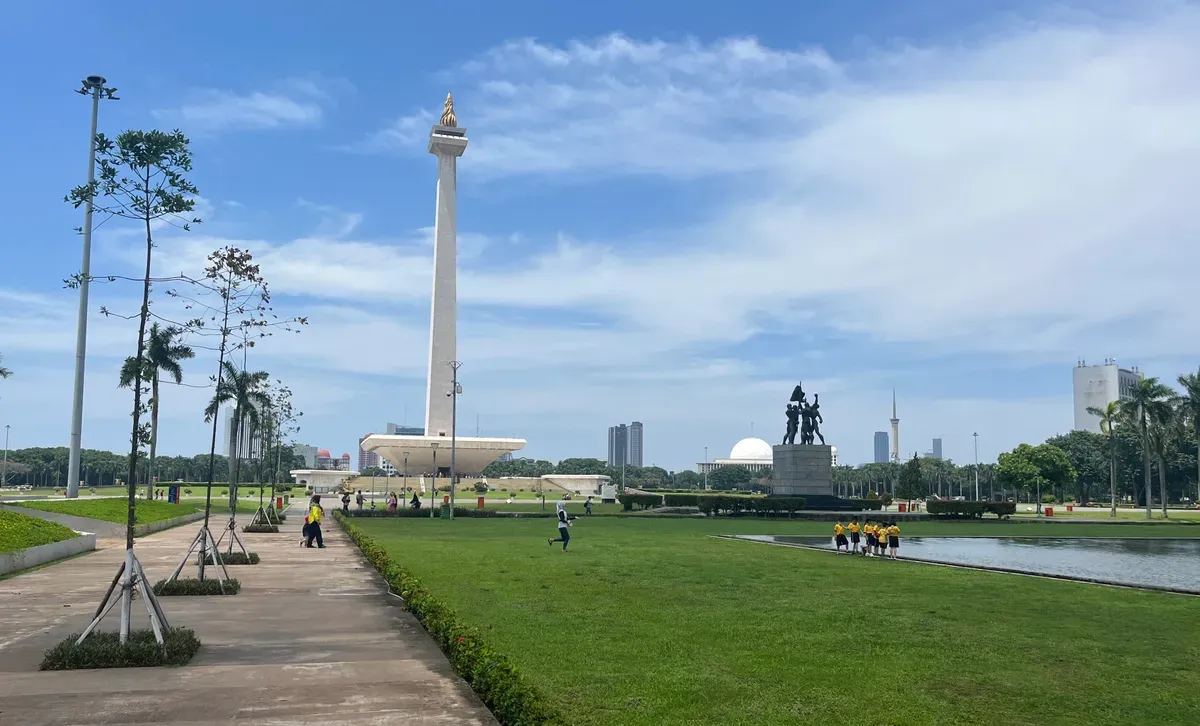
<point>705,468</point>
<point>92,86</point>
<point>455,390</point>
<point>976,435</point>
<point>404,492</point>
<point>433,486</point>
<point>4,471</point>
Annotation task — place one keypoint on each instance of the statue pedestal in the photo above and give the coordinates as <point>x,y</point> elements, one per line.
<point>801,470</point>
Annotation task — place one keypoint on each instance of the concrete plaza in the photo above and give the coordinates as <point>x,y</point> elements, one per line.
<point>313,637</point>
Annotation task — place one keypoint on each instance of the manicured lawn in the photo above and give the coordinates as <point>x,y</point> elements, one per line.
<point>113,510</point>
<point>649,621</point>
<point>18,531</point>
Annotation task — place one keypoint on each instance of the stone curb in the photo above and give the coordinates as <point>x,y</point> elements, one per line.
<point>41,554</point>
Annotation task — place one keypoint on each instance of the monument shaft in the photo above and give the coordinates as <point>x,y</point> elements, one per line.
<point>443,310</point>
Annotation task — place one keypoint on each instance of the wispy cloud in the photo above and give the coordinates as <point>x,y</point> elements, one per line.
<point>291,103</point>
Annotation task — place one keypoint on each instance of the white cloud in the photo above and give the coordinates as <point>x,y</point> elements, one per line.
<point>293,103</point>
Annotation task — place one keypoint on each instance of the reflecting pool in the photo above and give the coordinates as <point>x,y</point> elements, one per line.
<point>1167,563</point>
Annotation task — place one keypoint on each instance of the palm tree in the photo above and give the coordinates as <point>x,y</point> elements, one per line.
<point>1145,405</point>
<point>1164,426</point>
<point>163,354</point>
<point>1108,420</point>
<point>4,372</point>
<point>247,391</point>
<point>1189,408</point>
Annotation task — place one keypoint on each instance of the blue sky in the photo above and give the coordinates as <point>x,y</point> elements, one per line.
<point>669,212</point>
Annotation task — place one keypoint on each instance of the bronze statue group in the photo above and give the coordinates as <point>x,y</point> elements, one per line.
<point>805,417</point>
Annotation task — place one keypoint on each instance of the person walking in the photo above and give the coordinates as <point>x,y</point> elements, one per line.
<point>587,506</point>
<point>345,502</point>
<point>564,522</point>
<point>359,498</point>
<point>315,513</point>
<point>393,503</point>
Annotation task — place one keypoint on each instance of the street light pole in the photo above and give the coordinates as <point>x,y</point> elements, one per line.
<point>404,493</point>
<point>454,391</point>
<point>976,435</point>
<point>433,486</point>
<point>93,86</point>
<point>4,471</point>
<point>705,468</point>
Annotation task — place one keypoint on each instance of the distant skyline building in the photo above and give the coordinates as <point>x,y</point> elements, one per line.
<point>306,452</point>
<point>1097,386</point>
<point>635,444</point>
<point>937,448</point>
<point>618,445</point>
<point>895,430</point>
<point>398,430</point>
<point>248,448</point>
<point>881,447</point>
<point>366,459</point>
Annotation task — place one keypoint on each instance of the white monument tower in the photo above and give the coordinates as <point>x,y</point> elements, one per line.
<point>895,431</point>
<point>427,454</point>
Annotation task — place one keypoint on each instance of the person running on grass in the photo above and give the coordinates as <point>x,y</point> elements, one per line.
<point>854,535</point>
<point>564,521</point>
<point>839,536</point>
<point>894,538</point>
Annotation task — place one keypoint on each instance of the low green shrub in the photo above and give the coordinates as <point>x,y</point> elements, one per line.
<point>192,586</point>
<point>234,558</point>
<point>645,501</point>
<point>261,529</point>
<point>720,504</point>
<point>104,650</point>
<point>187,492</point>
<point>437,512</point>
<point>223,493</point>
<point>492,675</point>
<point>976,510</point>
<point>681,500</point>
<point>868,505</point>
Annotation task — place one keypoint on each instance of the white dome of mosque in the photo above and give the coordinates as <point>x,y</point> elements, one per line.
<point>752,449</point>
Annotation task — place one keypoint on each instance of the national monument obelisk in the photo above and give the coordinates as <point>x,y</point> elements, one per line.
<point>430,453</point>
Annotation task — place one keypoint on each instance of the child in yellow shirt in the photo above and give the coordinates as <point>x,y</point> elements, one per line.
<point>894,538</point>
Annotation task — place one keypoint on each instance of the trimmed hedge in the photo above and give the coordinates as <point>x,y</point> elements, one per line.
<point>261,529</point>
<point>492,675</point>
<point>192,586</point>
<point>717,505</point>
<point>104,650</point>
<point>954,508</point>
<point>234,558</point>
<point>437,512</point>
<point>645,501</point>
<point>867,505</point>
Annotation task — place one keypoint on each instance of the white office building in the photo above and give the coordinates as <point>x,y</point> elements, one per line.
<point>1098,385</point>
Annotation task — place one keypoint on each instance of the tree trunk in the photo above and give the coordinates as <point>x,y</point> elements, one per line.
<point>153,433</point>
<point>135,439</point>
<point>1112,469</point>
<point>1162,483</point>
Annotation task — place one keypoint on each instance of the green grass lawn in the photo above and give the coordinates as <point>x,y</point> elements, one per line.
<point>18,531</point>
<point>652,622</point>
<point>112,510</point>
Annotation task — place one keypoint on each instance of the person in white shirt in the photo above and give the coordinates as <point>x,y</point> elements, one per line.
<point>564,522</point>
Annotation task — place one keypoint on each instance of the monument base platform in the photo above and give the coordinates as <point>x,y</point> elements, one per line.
<point>416,454</point>
<point>802,470</point>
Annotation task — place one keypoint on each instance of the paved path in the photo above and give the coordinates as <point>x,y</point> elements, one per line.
<point>313,637</point>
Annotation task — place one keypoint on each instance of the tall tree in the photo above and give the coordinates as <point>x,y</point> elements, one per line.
<point>1164,428</point>
<point>1189,408</point>
<point>911,485</point>
<point>247,392</point>
<point>1108,420</point>
<point>163,355</point>
<point>1148,399</point>
<point>4,372</point>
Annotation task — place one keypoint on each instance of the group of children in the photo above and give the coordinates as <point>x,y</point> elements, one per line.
<point>880,536</point>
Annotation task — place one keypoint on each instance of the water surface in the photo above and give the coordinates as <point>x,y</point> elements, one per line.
<point>1169,563</point>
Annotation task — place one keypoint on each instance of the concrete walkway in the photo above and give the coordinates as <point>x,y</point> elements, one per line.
<point>313,637</point>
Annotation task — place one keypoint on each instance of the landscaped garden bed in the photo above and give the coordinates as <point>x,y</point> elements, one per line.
<point>104,650</point>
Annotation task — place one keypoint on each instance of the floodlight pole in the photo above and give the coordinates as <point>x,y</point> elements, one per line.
<point>454,391</point>
<point>93,86</point>
<point>976,435</point>
<point>433,485</point>
<point>404,493</point>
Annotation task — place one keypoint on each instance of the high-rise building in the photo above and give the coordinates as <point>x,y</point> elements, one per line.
<point>366,459</point>
<point>635,444</point>
<point>308,453</point>
<point>937,448</point>
<point>1096,387</point>
<point>618,445</point>
<point>398,430</point>
<point>881,447</point>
